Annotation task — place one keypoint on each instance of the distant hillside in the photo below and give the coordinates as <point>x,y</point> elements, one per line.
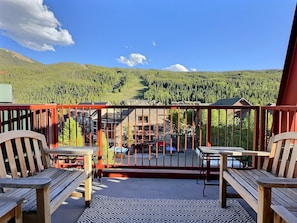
<point>10,58</point>
<point>66,83</point>
<point>71,83</point>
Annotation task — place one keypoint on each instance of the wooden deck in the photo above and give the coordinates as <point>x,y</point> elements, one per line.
<point>141,188</point>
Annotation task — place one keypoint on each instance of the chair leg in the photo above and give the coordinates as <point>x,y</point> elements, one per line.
<point>223,193</point>
<point>223,182</point>
<point>99,175</point>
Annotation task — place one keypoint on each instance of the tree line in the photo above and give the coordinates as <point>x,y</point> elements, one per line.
<point>68,83</point>
<point>258,87</point>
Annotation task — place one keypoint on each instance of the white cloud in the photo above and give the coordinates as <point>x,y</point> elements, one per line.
<point>133,59</point>
<point>177,67</point>
<point>193,69</point>
<point>32,25</point>
<point>154,43</point>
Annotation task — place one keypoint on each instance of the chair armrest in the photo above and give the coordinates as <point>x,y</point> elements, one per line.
<point>224,155</point>
<point>285,213</point>
<point>41,186</point>
<point>74,151</point>
<point>86,152</point>
<point>30,182</point>
<point>279,182</point>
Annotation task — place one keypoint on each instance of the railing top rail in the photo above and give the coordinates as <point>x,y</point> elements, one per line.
<point>280,107</point>
<point>7,106</point>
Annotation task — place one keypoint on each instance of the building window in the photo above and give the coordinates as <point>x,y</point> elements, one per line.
<point>143,118</point>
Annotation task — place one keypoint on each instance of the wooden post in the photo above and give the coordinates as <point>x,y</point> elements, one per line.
<point>223,185</point>
<point>43,204</point>
<point>100,164</point>
<point>88,181</point>
<point>264,202</point>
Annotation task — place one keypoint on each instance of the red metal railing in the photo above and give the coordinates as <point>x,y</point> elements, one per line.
<point>150,136</point>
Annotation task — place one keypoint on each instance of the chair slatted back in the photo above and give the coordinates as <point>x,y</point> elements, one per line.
<point>283,153</point>
<point>21,153</point>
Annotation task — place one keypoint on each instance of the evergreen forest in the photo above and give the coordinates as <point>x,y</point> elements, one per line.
<point>71,83</point>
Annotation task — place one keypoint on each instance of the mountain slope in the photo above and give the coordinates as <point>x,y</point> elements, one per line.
<point>72,83</point>
<point>10,58</point>
<point>66,83</point>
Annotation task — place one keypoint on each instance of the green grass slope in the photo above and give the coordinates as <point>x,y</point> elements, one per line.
<point>134,88</point>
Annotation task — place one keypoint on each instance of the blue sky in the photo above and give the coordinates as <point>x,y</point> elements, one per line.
<point>179,35</point>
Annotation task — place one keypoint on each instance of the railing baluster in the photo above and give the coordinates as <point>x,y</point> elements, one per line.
<point>155,136</point>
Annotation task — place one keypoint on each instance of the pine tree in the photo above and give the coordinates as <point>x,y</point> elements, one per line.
<point>71,135</point>
<point>107,155</point>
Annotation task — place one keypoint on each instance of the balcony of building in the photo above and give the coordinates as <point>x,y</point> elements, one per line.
<point>150,138</point>
<point>175,133</point>
<point>158,141</point>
